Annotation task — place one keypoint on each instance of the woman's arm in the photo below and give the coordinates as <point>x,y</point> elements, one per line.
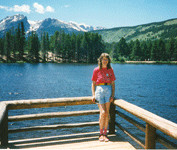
<point>113,91</point>
<point>93,91</point>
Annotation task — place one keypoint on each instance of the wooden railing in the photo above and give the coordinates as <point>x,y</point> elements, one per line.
<point>153,122</point>
<point>5,106</point>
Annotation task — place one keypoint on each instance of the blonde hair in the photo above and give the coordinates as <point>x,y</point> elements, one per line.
<point>101,58</point>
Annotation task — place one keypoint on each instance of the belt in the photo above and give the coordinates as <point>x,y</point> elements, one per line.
<point>103,84</point>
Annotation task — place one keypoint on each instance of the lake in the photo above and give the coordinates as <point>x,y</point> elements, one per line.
<point>152,87</point>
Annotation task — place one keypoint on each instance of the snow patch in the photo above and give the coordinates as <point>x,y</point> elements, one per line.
<point>34,25</point>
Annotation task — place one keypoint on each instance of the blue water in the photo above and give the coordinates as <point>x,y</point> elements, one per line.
<point>152,87</point>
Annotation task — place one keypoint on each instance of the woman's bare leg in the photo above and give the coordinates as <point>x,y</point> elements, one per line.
<point>106,122</point>
<point>102,108</point>
<point>101,120</point>
<point>107,106</point>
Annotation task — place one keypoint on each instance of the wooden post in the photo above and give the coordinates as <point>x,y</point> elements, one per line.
<point>112,119</point>
<point>150,141</point>
<point>4,125</point>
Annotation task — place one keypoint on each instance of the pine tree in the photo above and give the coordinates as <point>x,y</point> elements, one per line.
<point>91,50</point>
<point>123,47</point>
<point>22,41</point>
<point>144,50</point>
<point>136,53</point>
<point>43,47</point>
<point>31,50</point>
<point>63,51</point>
<point>34,47</point>
<point>28,43</point>
<point>175,52</point>
<point>1,47</point>
<point>73,47</point>
<point>47,44</point>
<point>114,54</point>
<point>88,50</point>
<point>78,48</point>
<point>13,42</point>
<point>170,48</point>
<point>7,46</point>
<point>56,44</point>
<point>92,47</point>
<point>162,51</point>
<point>153,51</point>
<point>52,45</point>
<point>14,49</point>
<point>130,47</point>
<point>84,47</point>
<point>100,47</point>
<point>68,50</point>
<point>149,47</point>
<point>17,41</point>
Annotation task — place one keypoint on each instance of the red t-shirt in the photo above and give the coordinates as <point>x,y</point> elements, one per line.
<point>103,76</point>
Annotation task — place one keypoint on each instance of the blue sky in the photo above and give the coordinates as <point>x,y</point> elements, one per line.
<point>106,13</point>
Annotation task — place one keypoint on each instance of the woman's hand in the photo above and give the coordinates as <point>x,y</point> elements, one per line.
<point>111,99</point>
<point>93,99</point>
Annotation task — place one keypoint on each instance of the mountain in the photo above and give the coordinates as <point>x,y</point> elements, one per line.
<point>49,25</point>
<point>12,22</point>
<point>151,31</point>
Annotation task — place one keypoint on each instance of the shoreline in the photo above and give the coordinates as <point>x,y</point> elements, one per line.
<point>148,62</point>
<point>114,62</point>
<point>152,62</point>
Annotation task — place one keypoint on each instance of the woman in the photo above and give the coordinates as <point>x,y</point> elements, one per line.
<point>103,88</point>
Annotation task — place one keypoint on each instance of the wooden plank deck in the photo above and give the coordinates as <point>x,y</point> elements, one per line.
<point>88,141</point>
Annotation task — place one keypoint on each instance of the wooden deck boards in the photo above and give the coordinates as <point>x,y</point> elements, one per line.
<point>88,141</point>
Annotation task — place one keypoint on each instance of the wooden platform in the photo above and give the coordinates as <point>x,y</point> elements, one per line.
<point>75,141</point>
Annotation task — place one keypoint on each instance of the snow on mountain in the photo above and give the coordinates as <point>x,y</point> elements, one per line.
<point>49,25</point>
<point>12,21</point>
<point>34,25</point>
<point>86,28</point>
<point>77,26</point>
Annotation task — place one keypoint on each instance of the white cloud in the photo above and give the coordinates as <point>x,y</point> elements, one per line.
<point>26,8</point>
<point>3,7</point>
<point>49,9</point>
<point>39,8</point>
<point>17,8</point>
<point>23,8</point>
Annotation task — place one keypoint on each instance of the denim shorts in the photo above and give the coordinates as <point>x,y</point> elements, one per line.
<point>103,94</point>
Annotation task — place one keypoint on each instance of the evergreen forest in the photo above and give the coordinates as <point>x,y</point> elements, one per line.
<point>80,48</point>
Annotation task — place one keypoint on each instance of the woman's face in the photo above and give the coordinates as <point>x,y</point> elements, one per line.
<point>104,62</point>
